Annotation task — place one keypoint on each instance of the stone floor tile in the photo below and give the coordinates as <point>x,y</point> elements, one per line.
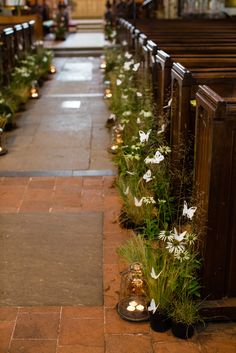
<point>162,336</point>
<point>115,325</point>
<point>37,326</point>
<point>8,313</point>
<point>79,349</point>
<point>217,343</point>
<point>180,346</point>
<point>4,209</point>
<point>83,312</point>
<point>88,332</point>
<point>113,202</point>
<point>33,346</point>
<point>128,344</point>
<point>6,329</point>
<point>60,209</point>
<point>11,196</point>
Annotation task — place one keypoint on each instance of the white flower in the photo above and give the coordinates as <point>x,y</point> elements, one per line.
<point>136,67</point>
<point>182,256</point>
<point>139,94</point>
<point>127,113</point>
<point>190,238</point>
<point>161,201</point>
<point>148,199</point>
<point>154,275</point>
<point>130,173</point>
<point>128,55</point>
<point>145,114</point>
<point>124,43</point>
<point>138,203</point>
<point>175,248</point>
<point>189,212</point>
<point>138,121</point>
<point>156,159</point>
<point>123,96</point>
<point>120,127</point>
<point>179,237</point>
<point>144,137</point>
<point>164,149</point>
<point>148,176</point>
<point>112,117</point>
<point>118,82</point>
<point>166,235</point>
<point>127,65</point>
<point>153,307</point>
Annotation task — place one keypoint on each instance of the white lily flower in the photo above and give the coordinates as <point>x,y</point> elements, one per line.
<point>153,307</point>
<point>189,212</point>
<point>123,96</point>
<point>175,248</point>
<point>118,82</point>
<point>138,121</point>
<point>138,203</point>
<point>148,176</point>
<point>144,137</point>
<point>127,65</point>
<point>127,113</point>
<point>139,94</point>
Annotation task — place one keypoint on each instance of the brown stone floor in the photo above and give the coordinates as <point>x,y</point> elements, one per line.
<point>87,329</point>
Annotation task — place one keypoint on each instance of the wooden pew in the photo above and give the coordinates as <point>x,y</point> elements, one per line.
<point>215,186</point>
<point>8,53</point>
<point>185,82</point>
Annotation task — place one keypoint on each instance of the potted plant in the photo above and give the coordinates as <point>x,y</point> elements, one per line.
<point>185,315</point>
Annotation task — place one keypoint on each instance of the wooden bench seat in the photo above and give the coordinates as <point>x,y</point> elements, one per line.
<point>215,183</point>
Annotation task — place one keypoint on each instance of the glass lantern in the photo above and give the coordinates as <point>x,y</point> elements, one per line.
<point>132,305</point>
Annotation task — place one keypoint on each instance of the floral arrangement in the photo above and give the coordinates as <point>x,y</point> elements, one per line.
<point>166,243</point>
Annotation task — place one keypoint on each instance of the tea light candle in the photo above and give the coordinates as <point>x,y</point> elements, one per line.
<point>140,307</point>
<point>130,308</point>
<point>133,303</point>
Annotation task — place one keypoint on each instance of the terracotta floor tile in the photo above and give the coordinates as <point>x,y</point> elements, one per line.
<point>65,198</point>
<point>59,209</point>
<point>37,326</point>
<point>163,336</point>
<point>110,255</point>
<point>42,183</point>
<point>6,329</point>
<point>128,344</point>
<point>217,343</point>
<point>8,313</point>
<point>74,183</point>
<point>80,349</point>
<point>40,309</point>
<point>33,346</point>
<point>109,183</point>
<point>4,209</point>
<point>18,181</point>
<point>112,202</point>
<point>88,332</point>
<point>95,183</point>
<point>10,197</point>
<point>37,194</point>
<point>83,312</point>
<point>180,346</point>
<point>115,325</point>
<point>35,206</point>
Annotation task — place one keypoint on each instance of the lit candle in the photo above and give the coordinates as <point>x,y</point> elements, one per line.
<point>133,303</point>
<point>103,65</point>
<point>130,308</point>
<point>52,69</point>
<point>140,307</point>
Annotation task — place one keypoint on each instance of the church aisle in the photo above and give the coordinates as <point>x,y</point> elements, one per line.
<point>58,169</point>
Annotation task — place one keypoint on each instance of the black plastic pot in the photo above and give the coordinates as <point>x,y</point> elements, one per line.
<point>159,321</point>
<point>182,330</point>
